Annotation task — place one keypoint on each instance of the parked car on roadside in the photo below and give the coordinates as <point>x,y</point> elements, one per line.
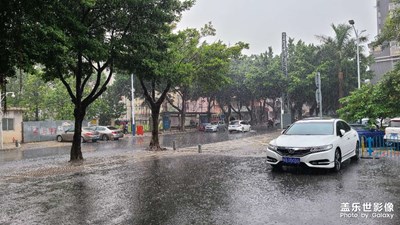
<point>88,135</point>
<point>109,132</point>
<point>215,126</point>
<point>392,132</point>
<point>239,126</point>
<point>318,143</point>
<point>202,126</point>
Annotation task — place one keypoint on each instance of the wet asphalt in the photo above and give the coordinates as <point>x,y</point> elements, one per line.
<point>228,183</point>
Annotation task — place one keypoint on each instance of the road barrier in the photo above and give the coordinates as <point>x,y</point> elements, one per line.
<point>139,130</point>
<point>377,146</point>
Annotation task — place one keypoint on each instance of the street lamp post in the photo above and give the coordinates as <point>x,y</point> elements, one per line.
<point>1,116</point>
<point>351,22</point>
<point>133,107</point>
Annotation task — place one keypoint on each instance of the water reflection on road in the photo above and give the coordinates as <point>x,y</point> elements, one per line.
<point>196,189</point>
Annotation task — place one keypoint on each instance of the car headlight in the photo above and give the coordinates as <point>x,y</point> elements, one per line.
<point>272,147</point>
<point>321,148</point>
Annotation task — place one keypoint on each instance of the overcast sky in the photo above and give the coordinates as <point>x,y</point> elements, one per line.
<point>261,22</point>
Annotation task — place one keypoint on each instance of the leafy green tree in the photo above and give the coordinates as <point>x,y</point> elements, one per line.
<point>359,104</point>
<point>374,101</point>
<point>84,39</point>
<point>212,68</point>
<point>302,64</point>
<point>14,41</point>
<point>186,50</point>
<point>151,58</point>
<point>265,80</point>
<point>109,106</point>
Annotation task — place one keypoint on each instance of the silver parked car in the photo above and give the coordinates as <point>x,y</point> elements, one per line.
<point>88,135</point>
<point>109,132</point>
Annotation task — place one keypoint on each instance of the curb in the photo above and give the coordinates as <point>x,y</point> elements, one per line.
<point>9,147</point>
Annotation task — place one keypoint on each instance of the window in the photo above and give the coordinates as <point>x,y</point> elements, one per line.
<point>311,128</point>
<point>342,126</point>
<point>8,124</point>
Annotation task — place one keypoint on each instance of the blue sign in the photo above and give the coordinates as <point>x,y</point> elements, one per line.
<point>166,122</point>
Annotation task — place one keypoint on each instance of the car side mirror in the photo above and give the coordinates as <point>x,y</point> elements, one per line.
<point>342,132</point>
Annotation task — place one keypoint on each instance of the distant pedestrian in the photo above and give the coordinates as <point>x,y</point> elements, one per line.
<point>124,127</point>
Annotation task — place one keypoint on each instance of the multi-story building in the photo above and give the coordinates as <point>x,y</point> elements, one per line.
<point>385,56</point>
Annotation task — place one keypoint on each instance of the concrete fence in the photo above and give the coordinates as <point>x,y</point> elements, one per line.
<point>36,131</point>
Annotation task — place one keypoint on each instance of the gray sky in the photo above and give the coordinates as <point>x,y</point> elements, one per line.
<point>261,22</point>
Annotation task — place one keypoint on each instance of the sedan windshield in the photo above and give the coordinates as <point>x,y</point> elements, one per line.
<point>312,128</point>
<point>234,123</point>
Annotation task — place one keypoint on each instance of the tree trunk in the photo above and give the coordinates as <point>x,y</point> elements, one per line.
<point>36,113</point>
<point>183,112</point>
<point>209,106</point>
<point>155,142</point>
<point>264,104</point>
<point>155,111</point>
<point>238,112</point>
<point>251,111</point>
<point>76,151</point>
<point>341,84</point>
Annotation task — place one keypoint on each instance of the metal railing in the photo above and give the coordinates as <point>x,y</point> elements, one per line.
<point>378,146</point>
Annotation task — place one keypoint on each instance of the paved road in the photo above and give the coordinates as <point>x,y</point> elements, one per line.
<point>228,183</point>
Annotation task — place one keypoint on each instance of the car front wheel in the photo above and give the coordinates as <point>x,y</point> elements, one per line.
<point>338,161</point>
<point>59,138</point>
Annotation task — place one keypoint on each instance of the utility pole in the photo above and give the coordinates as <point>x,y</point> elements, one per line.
<point>318,93</point>
<point>351,22</point>
<point>286,118</point>
<point>133,106</point>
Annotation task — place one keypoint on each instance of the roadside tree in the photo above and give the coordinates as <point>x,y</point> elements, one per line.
<point>81,40</point>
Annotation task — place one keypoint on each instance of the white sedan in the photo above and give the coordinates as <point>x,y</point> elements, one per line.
<point>318,143</point>
<point>239,125</point>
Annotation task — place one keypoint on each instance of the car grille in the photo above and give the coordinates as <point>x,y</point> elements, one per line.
<point>294,151</point>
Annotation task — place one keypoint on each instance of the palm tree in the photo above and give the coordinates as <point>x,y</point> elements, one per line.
<point>340,44</point>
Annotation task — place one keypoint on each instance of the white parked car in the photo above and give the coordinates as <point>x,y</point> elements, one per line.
<point>239,125</point>
<point>215,126</point>
<point>319,143</point>
<point>392,132</point>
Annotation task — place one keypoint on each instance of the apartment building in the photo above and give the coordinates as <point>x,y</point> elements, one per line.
<point>385,57</point>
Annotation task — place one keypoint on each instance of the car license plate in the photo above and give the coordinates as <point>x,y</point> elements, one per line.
<point>289,160</point>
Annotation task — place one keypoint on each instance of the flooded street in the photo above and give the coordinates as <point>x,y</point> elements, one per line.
<point>228,183</point>
<point>128,143</point>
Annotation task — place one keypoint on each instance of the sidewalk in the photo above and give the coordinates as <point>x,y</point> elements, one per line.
<point>10,146</point>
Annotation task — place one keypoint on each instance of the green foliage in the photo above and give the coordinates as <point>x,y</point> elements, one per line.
<point>14,40</point>
<point>46,100</point>
<point>337,55</point>
<point>358,105</point>
<point>374,101</point>
<point>391,29</point>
